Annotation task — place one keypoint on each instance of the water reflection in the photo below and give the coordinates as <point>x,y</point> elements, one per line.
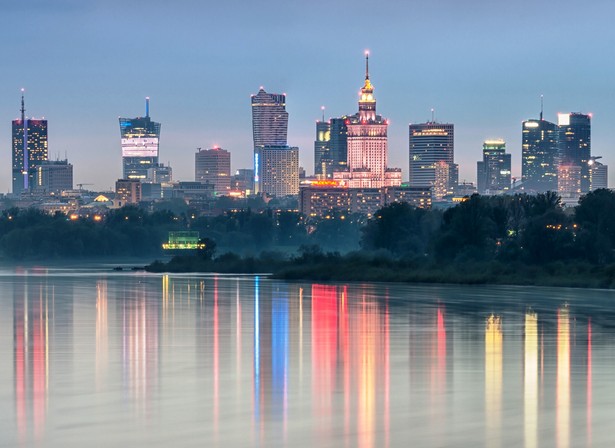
<point>530,380</point>
<point>251,361</point>
<point>563,378</point>
<point>140,346</point>
<point>493,380</point>
<point>31,356</point>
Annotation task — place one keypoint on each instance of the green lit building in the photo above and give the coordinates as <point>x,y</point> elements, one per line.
<point>184,240</point>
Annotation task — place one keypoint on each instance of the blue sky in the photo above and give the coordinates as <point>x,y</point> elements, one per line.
<point>481,64</point>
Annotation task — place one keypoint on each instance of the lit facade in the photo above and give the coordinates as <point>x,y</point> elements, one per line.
<point>569,181</point>
<point>140,145</point>
<point>269,125</point>
<point>127,191</point>
<point>574,140</point>
<point>54,176</point>
<point>441,181</point>
<point>493,172</point>
<point>160,174</point>
<point>243,180</point>
<point>213,166</point>
<point>539,155</point>
<point>29,150</point>
<point>431,143</point>
<point>278,170</point>
<point>367,144</point>
<point>598,174</point>
<point>323,161</point>
<point>326,198</point>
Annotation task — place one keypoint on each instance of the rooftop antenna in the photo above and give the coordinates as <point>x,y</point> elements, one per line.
<point>323,113</point>
<point>23,107</point>
<point>433,115</point>
<point>26,156</point>
<point>147,106</point>
<point>541,105</point>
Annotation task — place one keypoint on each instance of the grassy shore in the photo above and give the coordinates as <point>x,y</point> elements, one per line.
<point>380,267</point>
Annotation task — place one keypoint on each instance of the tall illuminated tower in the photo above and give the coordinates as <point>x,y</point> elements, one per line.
<point>574,142</point>
<point>539,155</point>
<point>269,125</point>
<point>213,166</point>
<point>323,161</point>
<point>430,144</point>
<point>29,149</point>
<point>368,144</point>
<point>140,145</point>
<point>493,172</point>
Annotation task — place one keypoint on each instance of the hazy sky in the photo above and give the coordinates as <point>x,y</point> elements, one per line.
<point>481,64</point>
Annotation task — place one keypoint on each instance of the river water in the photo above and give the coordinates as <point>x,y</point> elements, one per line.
<point>91,357</point>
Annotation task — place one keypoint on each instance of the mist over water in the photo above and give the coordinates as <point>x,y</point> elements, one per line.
<point>92,357</point>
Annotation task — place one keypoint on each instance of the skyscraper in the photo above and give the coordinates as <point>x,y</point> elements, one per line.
<point>493,172</point>
<point>367,144</point>
<point>54,176</point>
<point>279,170</point>
<point>431,143</point>
<point>338,143</point>
<point>213,166</point>
<point>140,144</point>
<point>539,155</point>
<point>599,174</point>
<point>29,150</point>
<point>574,141</point>
<point>269,125</point>
<point>323,162</point>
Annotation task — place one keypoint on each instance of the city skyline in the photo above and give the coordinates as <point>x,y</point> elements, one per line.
<point>487,95</point>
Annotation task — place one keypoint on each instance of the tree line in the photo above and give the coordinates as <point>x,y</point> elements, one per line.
<point>531,229</point>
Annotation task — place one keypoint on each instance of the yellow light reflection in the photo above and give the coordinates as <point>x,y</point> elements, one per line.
<point>102,334</point>
<point>493,380</point>
<point>531,380</point>
<point>562,423</point>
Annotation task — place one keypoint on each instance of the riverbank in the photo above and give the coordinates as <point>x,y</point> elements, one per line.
<point>378,267</point>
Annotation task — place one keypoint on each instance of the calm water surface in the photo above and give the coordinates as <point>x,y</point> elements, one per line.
<point>90,357</point>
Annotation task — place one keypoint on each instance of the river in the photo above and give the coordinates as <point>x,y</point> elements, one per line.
<point>92,357</point>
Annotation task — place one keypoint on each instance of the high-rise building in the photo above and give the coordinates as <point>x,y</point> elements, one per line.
<point>323,162</point>
<point>598,174</point>
<point>539,155</point>
<point>367,144</point>
<point>54,176</point>
<point>29,150</point>
<point>446,177</point>
<point>338,143</point>
<point>569,182</point>
<point>160,174</point>
<point>493,172</point>
<point>127,191</point>
<point>278,170</point>
<point>243,180</point>
<point>269,125</point>
<point>431,143</point>
<point>574,141</point>
<point>213,166</point>
<point>140,145</point>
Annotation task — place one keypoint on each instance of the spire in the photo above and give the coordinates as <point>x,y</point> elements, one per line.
<point>541,105</point>
<point>368,85</point>
<point>323,113</point>
<point>147,106</point>
<point>23,107</point>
